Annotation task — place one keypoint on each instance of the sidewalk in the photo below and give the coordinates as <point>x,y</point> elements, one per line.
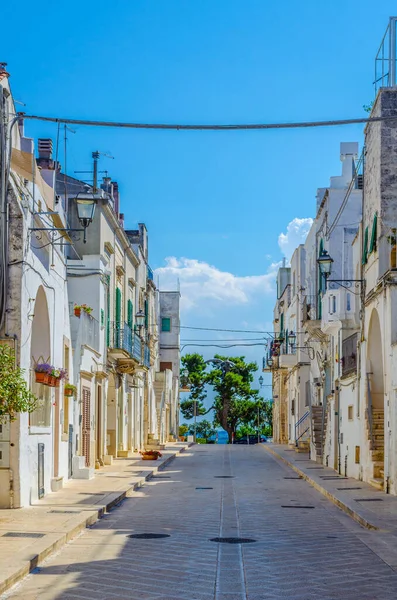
<point>368,506</point>
<point>29,535</point>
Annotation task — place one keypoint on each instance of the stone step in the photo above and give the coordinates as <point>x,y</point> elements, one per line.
<point>377,483</point>
<point>378,469</point>
<point>377,455</point>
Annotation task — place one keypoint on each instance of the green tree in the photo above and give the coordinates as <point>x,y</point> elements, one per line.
<point>195,367</point>
<point>205,429</point>
<point>183,430</point>
<point>15,396</point>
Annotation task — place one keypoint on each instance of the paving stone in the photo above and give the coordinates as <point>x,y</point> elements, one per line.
<point>310,554</point>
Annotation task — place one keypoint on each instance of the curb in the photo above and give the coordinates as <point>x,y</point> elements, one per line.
<point>90,520</point>
<point>339,503</point>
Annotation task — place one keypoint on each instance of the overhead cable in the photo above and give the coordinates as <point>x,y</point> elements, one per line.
<point>215,127</point>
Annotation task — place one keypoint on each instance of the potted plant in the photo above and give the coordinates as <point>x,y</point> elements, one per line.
<point>42,372</point>
<point>69,389</point>
<point>150,454</point>
<point>82,307</point>
<point>15,396</point>
<point>56,376</point>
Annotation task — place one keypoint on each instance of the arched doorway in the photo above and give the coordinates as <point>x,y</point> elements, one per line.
<point>375,398</point>
<point>40,446</point>
<point>375,362</point>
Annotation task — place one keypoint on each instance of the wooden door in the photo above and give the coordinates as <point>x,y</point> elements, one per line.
<point>86,426</point>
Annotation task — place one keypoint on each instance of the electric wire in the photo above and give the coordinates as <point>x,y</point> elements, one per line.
<point>213,127</point>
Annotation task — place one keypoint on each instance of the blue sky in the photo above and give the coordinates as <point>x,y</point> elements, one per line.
<point>214,202</point>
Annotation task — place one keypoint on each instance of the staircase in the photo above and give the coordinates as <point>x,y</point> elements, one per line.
<point>318,431</point>
<point>376,435</point>
<point>302,433</point>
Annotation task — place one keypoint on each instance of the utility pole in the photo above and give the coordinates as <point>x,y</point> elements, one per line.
<point>258,423</point>
<point>195,420</point>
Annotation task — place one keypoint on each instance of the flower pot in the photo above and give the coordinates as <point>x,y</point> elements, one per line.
<point>68,392</point>
<point>77,312</point>
<point>149,456</point>
<point>57,382</point>
<point>51,381</point>
<point>42,378</point>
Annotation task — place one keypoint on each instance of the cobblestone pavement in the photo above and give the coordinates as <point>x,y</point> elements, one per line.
<point>305,547</point>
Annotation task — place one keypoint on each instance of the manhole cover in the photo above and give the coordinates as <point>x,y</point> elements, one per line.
<point>18,534</point>
<point>318,468</point>
<point>293,477</point>
<point>368,499</point>
<point>292,506</point>
<point>326,477</point>
<point>160,477</point>
<point>204,488</point>
<point>224,476</point>
<point>232,540</point>
<point>349,488</point>
<point>148,536</point>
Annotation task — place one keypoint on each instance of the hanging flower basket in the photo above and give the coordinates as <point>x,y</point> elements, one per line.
<point>42,377</point>
<point>82,307</point>
<point>51,381</point>
<point>43,372</point>
<point>77,311</point>
<point>150,454</point>
<point>69,389</point>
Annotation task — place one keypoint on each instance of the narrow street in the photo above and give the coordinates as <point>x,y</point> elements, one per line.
<point>304,547</point>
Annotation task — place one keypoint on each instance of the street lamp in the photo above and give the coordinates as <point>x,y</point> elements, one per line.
<point>140,320</point>
<point>261,380</point>
<point>324,262</point>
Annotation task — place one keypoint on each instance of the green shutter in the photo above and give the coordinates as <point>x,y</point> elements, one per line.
<point>365,247</point>
<point>282,325</point>
<point>107,310</point>
<point>102,317</point>
<point>130,312</point>
<point>374,235</point>
<point>165,324</point>
<point>118,307</point>
<point>146,314</point>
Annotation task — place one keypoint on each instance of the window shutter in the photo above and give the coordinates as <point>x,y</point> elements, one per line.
<point>130,311</point>
<point>365,247</point>
<point>107,311</point>
<point>146,314</point>
<point>374,235</point>
<point>118,307</point>
<point>281,324</point>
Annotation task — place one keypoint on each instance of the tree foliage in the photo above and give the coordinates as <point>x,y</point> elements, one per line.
<point>205,429</point>
<point>195,367</point>
<point>235,400</point>
<point>15,396</point>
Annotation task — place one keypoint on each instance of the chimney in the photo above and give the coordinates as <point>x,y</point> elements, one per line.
<point>116,197</point>
<point>121,220</point>
<point>3,72</point>
<point>45,148</point>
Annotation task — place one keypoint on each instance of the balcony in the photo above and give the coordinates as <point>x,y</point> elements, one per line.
<point>150,275</point>
<point>339,307</point>
<point>84,331</point>
<point>137,348</point>
<point>311,317</point>
<point>120,343</point>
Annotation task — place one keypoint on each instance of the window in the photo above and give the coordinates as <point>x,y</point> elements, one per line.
<point>165,365</point>
<point>350,412</point>
<point>166,324</point>
<point>357,455</point>
<point>130,312</point>
<point>365,247</point>
<point>349,355</point>
<point>372,245</point>
<point>348,303</point>
<point>41,417</point>
<point>118,306</point>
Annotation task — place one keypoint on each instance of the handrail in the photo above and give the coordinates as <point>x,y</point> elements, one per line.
<point>297,425</point>
<point>302,434</point>
<point>323,423</point>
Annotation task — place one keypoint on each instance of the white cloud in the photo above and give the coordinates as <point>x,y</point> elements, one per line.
<point>200,281</point>
<point>297,230</point>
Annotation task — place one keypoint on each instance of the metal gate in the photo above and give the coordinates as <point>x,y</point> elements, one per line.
<point>86,426</point>
<point>70,450</point>
<point>40,470</point>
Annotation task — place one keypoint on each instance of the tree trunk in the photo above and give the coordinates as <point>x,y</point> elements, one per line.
<point>223,414</point>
